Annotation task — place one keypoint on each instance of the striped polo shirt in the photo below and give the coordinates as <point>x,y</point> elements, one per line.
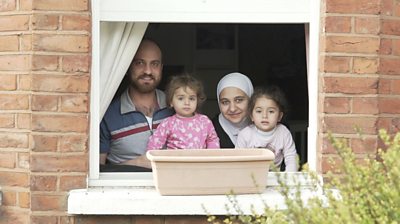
<point>124,132</point>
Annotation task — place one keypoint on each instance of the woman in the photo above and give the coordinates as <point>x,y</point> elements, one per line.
<point>233,93</point>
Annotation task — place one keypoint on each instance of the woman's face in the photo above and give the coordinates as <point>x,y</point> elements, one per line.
<point>233,104</point>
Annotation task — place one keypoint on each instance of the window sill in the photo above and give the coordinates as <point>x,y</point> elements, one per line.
<point>147,201</point>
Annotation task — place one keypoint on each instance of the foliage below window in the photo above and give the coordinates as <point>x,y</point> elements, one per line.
<point>369,192</point>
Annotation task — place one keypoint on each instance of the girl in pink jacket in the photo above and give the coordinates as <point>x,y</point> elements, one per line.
<point>186,129</point>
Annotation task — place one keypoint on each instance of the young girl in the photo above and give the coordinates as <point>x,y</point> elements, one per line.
<point>187,129</point>
<point>266,109</point>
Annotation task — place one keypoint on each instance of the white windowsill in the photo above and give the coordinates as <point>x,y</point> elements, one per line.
<point>147,201</point>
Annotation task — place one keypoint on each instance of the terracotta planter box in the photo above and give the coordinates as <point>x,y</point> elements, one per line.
<point>210,171</point>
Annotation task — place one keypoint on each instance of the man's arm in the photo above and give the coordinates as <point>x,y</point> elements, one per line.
<point>141,161</point>
<point>103,157</point>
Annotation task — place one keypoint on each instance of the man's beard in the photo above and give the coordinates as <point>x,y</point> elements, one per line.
<point>144,88</point>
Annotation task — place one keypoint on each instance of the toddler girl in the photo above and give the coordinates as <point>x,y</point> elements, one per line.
<point>186,129</point>
<point>266,110</point>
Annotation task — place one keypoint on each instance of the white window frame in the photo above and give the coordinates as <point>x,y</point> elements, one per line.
<point>199,11</point>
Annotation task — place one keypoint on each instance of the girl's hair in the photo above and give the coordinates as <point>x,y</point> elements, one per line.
<point>186,81</point>
<point>271,92</point>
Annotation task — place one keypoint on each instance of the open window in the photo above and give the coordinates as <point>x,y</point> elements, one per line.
<point>270,41</point>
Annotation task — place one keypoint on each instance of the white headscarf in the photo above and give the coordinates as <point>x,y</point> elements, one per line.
<point>243,83</point>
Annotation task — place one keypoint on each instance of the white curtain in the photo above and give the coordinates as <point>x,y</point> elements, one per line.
<point>118,44</point>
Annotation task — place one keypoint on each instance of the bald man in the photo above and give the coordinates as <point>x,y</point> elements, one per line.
<point>129,120</point>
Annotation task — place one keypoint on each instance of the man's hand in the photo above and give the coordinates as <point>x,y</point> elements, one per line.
<point>103,157</point>
<point>141,161</point>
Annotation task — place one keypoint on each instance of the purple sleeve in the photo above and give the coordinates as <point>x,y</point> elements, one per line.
<point>159,137</point>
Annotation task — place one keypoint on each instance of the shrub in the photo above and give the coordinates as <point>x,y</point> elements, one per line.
<point>369,192</point>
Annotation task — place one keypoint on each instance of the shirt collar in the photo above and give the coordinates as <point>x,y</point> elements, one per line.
<point>127,105</point>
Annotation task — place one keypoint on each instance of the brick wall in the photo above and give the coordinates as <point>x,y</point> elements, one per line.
<point>359,73</point>
<point>44,97</point>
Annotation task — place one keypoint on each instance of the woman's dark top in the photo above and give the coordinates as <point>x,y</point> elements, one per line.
<point>224,140</point>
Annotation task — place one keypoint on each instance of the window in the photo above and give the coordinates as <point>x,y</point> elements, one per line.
<point>239,14</point>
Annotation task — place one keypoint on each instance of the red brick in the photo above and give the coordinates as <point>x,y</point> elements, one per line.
<point>44,103</point>
<point>25,5</point>
<point>367,145</point>
<point>387,7</point>
<point>24,82</point>
<point>14,179</point>
<point>350,85</point>
<point>7,5</point>
<point>9,43</point>
<point>337,105</point>
<point>77,103</point>
<point>45,22</point>
<point>395,87</point>
<point>365,65</point>
<point>62,163</point>
<point>60,123</point>
<point>392,125</point>
<point>347,44</point>
<point>14,102</point>
<point>390,27</point>
<point>173,219</point>
<point>146,219</point>
<point>336,64</point>
<point>389,105</point>
<point>44,143</point>
<point>14,23</point>
<point>76,63</point>
<point>23,160</point>
<point>61,43</point>
<point>57,5</point>
<point>51,83</point>
<point>353,6</point>
<point>332,164</point>
<point>45,62</point>
<point>389,66</point>
<point>367,25</point>
<point>327,147</point>
<point>7,121</point>
<point>348,125</point>
<point>44,202</point>
<point>24,199</point>
<point>385,46</point>
<point>73,143</point>
<point>365,105</point>
<point>35,219</point>
<point>24,121</point>
<point>396,47</point>
<point>7,160</point>
<point>120,219</point>
<point>14,62</point>
<point>14,216</point>
<point>14,140</point>
<point>338,24</point>
<point>26,42</point>
<point>67,220</point>
<point>43,183</point>
<point>8,82</point>
<point>76,22</point>
<point>9,198</point>
<point>384,86</point>
<point>396,8</point>
<point>68,183</point>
